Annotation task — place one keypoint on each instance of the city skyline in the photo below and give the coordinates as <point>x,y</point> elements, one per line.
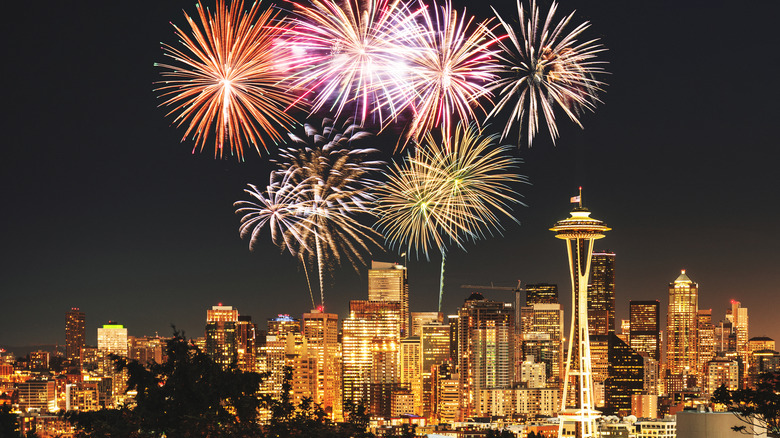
<point>107,211</point>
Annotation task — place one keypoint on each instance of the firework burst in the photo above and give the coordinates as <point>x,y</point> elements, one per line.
<point>448,193</point>
<point>545,67</point>
<point>224,81</point>
<point>449,74</point>
<point>352,55</point>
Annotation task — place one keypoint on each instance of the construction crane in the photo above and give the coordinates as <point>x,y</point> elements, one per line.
<point>517,290</point>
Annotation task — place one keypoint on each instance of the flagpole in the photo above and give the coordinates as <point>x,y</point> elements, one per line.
<point>580,196</point>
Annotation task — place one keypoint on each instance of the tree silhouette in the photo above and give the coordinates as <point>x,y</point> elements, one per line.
<point>758,409</point>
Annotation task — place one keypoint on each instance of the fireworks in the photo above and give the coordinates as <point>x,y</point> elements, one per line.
<point>545,67</point>
<point>449,74</point>
<point>226,78</point>
<point>312,202</point>
<point>448,192</point>
<point>352,55</point>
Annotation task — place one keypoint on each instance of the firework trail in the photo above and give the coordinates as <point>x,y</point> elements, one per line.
<point>224,79</point>
<point>447,193</point>
<point>450,72</point>
<point>544,67</point>
<point>351,56</point>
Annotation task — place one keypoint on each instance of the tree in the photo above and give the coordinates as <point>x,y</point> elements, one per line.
<point>758,409</point>
<point>8,422</point>
<point>189,395</point>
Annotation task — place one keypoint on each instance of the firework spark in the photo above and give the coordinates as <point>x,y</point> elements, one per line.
<point>448,192</point>
<point>544,67</point>
<point>450,72</point>
<point>352,54</point>
<point>225,78</point>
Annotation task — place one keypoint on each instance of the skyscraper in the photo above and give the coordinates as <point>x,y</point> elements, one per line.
<point>321,330</point>
<point>579,231</point>
<point>370,327</point>
<point>435,350</point>
<point>541,293</point>
<point>284,336</point>
<point>388,282</point>
<point>645,327</point>
<point>246,343</point>
<point>682,343</point>
<point>75,335</point>
<point>542,337</point>
<point>419,319</point>
<point>601,294</point>
<point>626,376</point>
<point>221,342</point>
<point>706,337</point>
<point>112,339</point>
<point>739,319</point>
<point>485,348</point>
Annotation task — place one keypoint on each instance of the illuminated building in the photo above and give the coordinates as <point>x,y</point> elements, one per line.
<point>645,327</point>
<point>579,231</point>
<point>112,339</point>
<point>75,335</point>
<point>304,370</point>
<point>739,320</point>
<point>520,402</point>
<point>626,376</point>
<point>370,327</point>
<point>761,343</point>
<point>147,349</point>
<point>37,394</point>
<point>601,294</point>
<point>419,319</point>
<point>446,393</point>
<point>434,351</point>
<point>485,348</point>
<point>385,375</point>
<point>452,320</point>
<point>644,405</point>
<point>403,403</point>
<point>321,331</point>
<point>246,344</point>
<point>625,331</point>
<point>599,366</point>
<point>221,339</point>
<point>388,282</point>
<point>282,331</point>
<point>541,293</point>
<point>706,338</point>
<point>722,371</point>
<point>682,344</point>
<point>411,367</point>
<point>541,331</point>
<point>725,338</point>
<point>39,360</point>
<point>532,374</point>
<point>762,361</point>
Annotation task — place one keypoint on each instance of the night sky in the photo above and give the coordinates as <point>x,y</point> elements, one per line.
<point>105,209</point>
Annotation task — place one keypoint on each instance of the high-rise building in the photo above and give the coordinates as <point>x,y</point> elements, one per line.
<point>681,343</point>
<point>371,327</point>
<point>221,342</point>
<point>485,348</point>
<point>112,339</point>
<point>761,343</point>
<point>645,327</point>
<point>246,344</point>
<point>452,320</point>
<point>541,334</point>
<point>626,376</point>
<point>284,337</point>
<point>706,338</point>
<point>739,319</point>
<point>388,282</point>
<point>410,372</point>
<point>419,319</point>
<point>320,330</point>
<point>75,335</point>
<point>146,349</point>
<point>580,232</point>
<point>541,293</point>
<point>601,294</point>
<point>720,371</point>
<point>434,350</point>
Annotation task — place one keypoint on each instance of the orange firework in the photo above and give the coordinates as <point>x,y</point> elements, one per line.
<point>226,78</point>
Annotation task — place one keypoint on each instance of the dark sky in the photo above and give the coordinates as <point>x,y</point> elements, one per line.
<point>104,209</point>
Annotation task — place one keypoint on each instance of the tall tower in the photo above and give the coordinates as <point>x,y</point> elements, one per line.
<point>682,343</point>
<point>112,339</point>
<point>75,335</point>
<point>579,231</point>
<point>388,282</point>
<point>601,294</point>
<point>321,332</point>
<point>246,343</point>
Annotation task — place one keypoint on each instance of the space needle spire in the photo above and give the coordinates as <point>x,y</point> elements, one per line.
<point>579,231</point>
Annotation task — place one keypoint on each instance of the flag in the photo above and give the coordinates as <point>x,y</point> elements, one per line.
<point>575,199</point>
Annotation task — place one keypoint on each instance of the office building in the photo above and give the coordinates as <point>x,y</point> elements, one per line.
<point>419,319</point>
<point>645,327</point>
<point>601,294</point>
<point>388,282</point>
<point>283,339</point>
<point>434,351</point>
<point>75,335</point>
<point>541,335</point>
<point>682,342</point>
<point>410,373</point>
<point>112,339</point>
<point>626,376</point>
<point>485,349</point>
<point>320,330</point>
<point>221,341</point>
<point>541,293</point>
<point>706,337</point>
